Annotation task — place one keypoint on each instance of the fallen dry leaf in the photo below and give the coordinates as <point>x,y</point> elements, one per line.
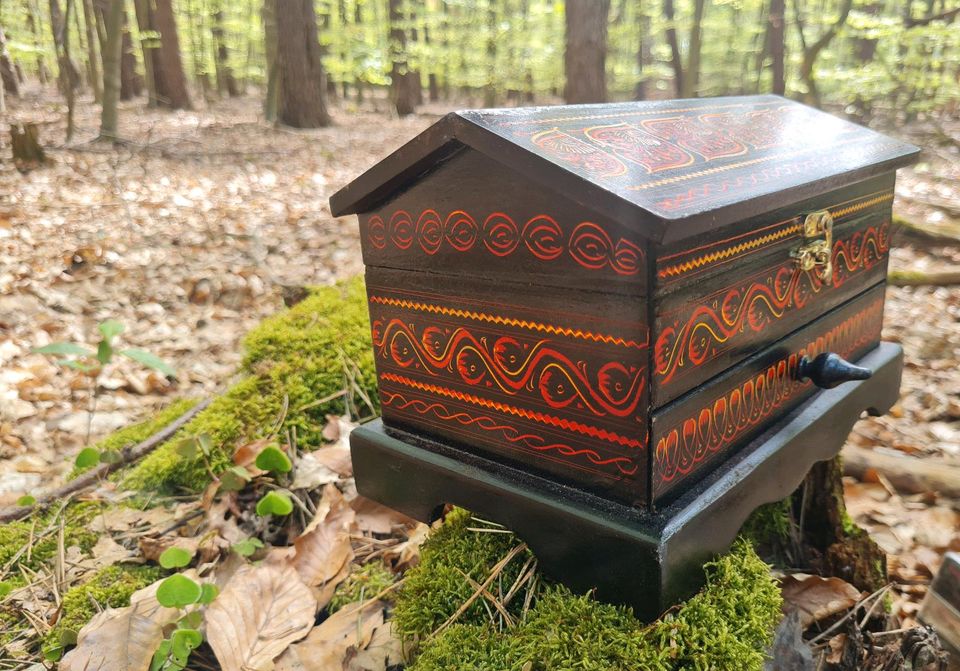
<point>122,639</point>
<point>378,518</point>
<point>323,549</point>
<point>260,612</point>
<point>816,598</point>
<point>332,643</point>
<point>107,552</point>
<point>406,554</point>
<point>385,650</point>
<point>152,546</point>
<point>322,467</point>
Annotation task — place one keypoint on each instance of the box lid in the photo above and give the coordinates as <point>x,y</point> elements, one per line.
<point>669,168</point>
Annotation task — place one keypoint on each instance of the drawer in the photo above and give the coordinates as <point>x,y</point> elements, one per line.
<point>724,300</point>
<point>696,432</point>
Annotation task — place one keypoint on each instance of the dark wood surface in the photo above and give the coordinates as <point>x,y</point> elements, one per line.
<point>734,294</point>
<point>553,380</point>
<point>699,430</point>
<point>667,169</point>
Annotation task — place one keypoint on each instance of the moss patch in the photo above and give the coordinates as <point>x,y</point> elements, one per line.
<point>32,542</point>
<point>317,348</point>
<point>131,435</point>
<point>110,587</point>
<point>728,625</point>
<point>364,583</point>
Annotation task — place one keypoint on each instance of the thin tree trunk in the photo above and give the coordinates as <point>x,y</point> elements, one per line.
<point>675,59</point>
<point>644,54</point>
<point>776,41</point>
<point>812,52</point>
<point>112,55</point>
<point>166,70</point>
<point>270,37</point>
<point>226,83</point>
<point>8,74</point>
<point>148,46</point>
<point>401,83</point>
<point>301,77</point>
<point>131,83</point>
<point>93,69</point>
<point>692,81</point>
<point>586,51</point>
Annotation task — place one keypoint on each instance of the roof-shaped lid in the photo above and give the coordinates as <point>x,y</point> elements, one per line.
<point>671,168</point>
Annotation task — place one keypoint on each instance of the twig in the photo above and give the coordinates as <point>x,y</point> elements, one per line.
<point>91,478</point>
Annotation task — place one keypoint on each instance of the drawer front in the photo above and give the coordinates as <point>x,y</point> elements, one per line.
<point>696,432</point>
<point>554,382</point>
<point>729,298</point>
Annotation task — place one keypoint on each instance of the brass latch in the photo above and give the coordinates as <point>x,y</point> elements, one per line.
<point>817,249</point>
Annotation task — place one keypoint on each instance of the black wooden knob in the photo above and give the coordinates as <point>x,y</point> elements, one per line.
<point>828,370</point>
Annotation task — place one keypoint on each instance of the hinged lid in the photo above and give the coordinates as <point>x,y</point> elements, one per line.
<point>671,168</point>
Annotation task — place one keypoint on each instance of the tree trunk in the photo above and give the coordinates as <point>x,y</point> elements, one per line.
<point>68,77</point>
<point>226,82</point>
<point>148,47</point>
<point>131,83</point>
<point>490,90</point>
<point>812,52</point>
<point>269,15</point>
<point>25,142</point>
<point>8,74</point>
<point>112,55</point>
<point>586,51</point>
<point>402,91</point>
<point>93,69</point>
<point>644,54</point>
<point>776,45</point>
<point>675,58</point>
<point>301,102</point>
<point>692,80</point>
<point>166,80</point>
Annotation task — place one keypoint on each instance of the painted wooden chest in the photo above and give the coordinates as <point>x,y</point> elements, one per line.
<point>618,297</point>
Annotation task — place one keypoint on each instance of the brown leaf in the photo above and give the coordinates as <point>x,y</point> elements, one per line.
<point>323,549</point>
<point>385,650</point>
<point>406,554</point>
<point>154,546</point>
<point>816,598</point>
<point>377,518</point>
<point>260,612</point>
<point>122,639</point>
<point>331,644</point>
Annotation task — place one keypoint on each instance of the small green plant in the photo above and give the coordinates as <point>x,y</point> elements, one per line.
<point>175,557</point>
<point>247,547</point>
<point>93,363</point>
<point>274,503</point>
<point>185,594</point>
<point>27,500</point>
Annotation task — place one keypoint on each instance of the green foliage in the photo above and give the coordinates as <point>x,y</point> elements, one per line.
<point>110,587</point>
<point>770,523</point>
<point>436,588</point>
<point>174,557</point>
<point>86,360</point>
<point>32,542</point>
<point>248,546</point>
<point>273,460</point>
<point>178,591</point>
<point>135,433</point>
<point>364,583</point>
<point>27,500</point>
<point>307,352</point>
<point>86,459</point>
<point>727,625</point>
<point>274,503</point>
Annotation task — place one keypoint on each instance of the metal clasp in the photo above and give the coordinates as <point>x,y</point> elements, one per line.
<point>817,249</point>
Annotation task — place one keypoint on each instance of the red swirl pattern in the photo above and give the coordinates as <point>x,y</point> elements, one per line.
<point>718,424</point>
<point>623,463</point>
<point>757,305</point>
<point>513,367</point>
<point>589,245</point>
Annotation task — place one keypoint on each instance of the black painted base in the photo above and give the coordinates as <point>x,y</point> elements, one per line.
<point>647,560</point>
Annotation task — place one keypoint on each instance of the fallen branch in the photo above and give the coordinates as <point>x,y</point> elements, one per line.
<point>91,478</point>
<point>909,475</point>
<point>916,278</point>
<point>944,232</point>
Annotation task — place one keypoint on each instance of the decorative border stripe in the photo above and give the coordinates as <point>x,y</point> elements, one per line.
<point>508,321</point>
<point>550,420</point>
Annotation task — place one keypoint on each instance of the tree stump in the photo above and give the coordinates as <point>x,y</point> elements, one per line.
<point>27,152</point>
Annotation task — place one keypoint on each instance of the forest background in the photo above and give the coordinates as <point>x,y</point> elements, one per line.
<point>167,165</point>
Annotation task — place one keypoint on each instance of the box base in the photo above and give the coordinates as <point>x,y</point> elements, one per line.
<point>645,559</point>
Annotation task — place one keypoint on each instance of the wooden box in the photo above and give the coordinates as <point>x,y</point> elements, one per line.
<point>613,295</point>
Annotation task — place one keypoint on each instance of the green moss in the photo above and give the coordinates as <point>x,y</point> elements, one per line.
<point>365,583</point>
<point>769,525</point>
<point>110,587</point>
<point>728,625</point>
<point>32,542</point>
<point>292,359</point>
<point>435,588</point>
<point>131,435</point>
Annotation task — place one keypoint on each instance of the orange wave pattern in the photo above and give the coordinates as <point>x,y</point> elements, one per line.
<point>508,321</point>
<point>512,434</point>
<point>707,259</point>
<point>532,415</point>
<point>717,425</point>
<point>760,304</point>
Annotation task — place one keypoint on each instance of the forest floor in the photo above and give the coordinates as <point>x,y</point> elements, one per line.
<point>192,233</point>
